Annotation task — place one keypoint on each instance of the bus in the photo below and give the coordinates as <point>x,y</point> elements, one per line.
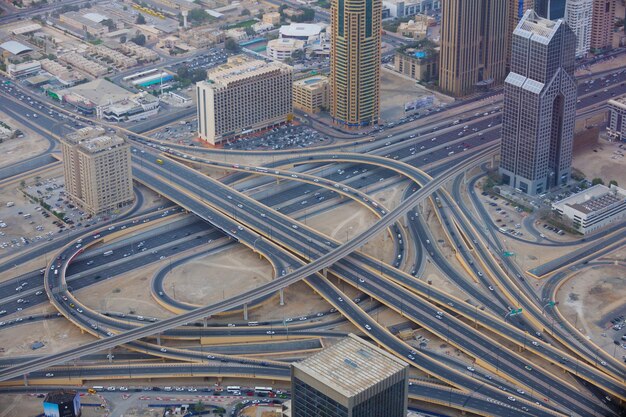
<point>233,388</point>
<point>159,161</point>
<point>263,390</point>
<point>108,253</point>
<point>97,388</point>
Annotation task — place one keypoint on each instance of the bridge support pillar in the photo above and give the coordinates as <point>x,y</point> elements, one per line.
<point>158,339</point>
<point>110,355</point>
<point>245,311</point>
<point>325,272</point>
<point>282,296</point>
<point>205,322</point>
<point>25,380</point>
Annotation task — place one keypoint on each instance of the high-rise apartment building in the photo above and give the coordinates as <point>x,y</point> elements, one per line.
<point>539,106</point>
<point>602,24</point>
<point>517,8</point>
<point>474,43</point>
<point>352,378</point>
<point>355,61</point>
<point>578,17</point>
<point>243,96</point>
<point>97,170</point>
<point>550,9</point>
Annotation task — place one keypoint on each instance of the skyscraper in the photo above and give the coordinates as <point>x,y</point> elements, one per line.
<point>474,43</point>
<point>355,61</point>
<point>539,106</point>
<point>578,18</point>
<point>602,24</point>
<point>517,8</point>
<point>352,378</point>
<point>97,170</point>
<point>550,9</point>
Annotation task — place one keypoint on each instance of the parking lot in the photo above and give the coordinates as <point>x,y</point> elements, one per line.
<point>205,61</point>
<point>27,214</point>
<point>283,137</point>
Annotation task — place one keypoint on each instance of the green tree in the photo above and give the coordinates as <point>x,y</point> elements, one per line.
<point>597,181</point>
<point>109,24</point>
<point>613,182</point>
<point>231,45</point>
<point>244,12</point>
<point>140,19</point>
<point>139,39</point>
<point>249,31</point>
<point>199,407</point>
<point>297,54</point>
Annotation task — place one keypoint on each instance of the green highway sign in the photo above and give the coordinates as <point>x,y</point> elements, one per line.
<point>515,312</point>
<point>509,253</point>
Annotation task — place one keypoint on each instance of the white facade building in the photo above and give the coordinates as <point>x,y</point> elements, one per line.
<point>593,208</point>
<point>243,96</point>
<point>617,118</point>
<point>282,49</point>
<point>578,14</point>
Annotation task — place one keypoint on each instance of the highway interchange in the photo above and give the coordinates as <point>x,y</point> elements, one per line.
<point>301,253</point>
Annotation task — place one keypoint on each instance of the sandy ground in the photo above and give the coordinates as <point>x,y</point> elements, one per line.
<point>212,278</point>
<point>262,411</point>
<point>16,150</point>
<point>591,298</point>
<point>57,335</point>
<point>395,91</point>
<point>125,293</point>
<point>598,160</point>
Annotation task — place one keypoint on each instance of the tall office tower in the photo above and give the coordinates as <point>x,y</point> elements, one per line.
<point>97,169</point>
<point>517,8</point>
<point>602,24</point>
<point>474,43</point>
<point>578,17</point>
<point>550,9</point>
<point>243,96</point>
<point>352,378</point>
<point>539,106</point>
<point>355,61</point>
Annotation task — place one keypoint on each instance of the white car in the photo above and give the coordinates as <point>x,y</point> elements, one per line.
<point>49,374</point>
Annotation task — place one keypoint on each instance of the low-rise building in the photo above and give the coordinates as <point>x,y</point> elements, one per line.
<point>617,118</point>
<point>416,28</point>
<point>87,22</point>
<point>90,67</point>
<point>311,95</point>
<point>306,32</point>
<point>140,52</point>
<point>118,58</point>
<point>243,96</point>
<point>272,18</point>
<point>202,37</point>
<point>419,65</point>
<point>593,208</point>
<point>23,69</point>
<point>110,102</point>
<point>65,76</point>
<point>260,27</point>
<point>282,49</point>
<point>403,8</point>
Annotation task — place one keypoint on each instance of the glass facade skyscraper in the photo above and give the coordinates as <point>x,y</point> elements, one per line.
<point>539,106</point>
<point>550,9</point>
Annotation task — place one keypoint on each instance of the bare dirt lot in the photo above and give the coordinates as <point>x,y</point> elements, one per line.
<point>16,150</point>
<point>211,278</point>
<point>598,159</point>
<point>591,298</point>
<point>55,334</point>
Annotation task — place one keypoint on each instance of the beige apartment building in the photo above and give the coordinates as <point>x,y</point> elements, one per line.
<point>602,24</point>
<point>243,96</point>
<point>419,65</point>
<point>97,170</point>
<point>311,95</point>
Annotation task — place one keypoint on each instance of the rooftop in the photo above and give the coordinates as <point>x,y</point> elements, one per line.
<point>539,29</point>
<point>240,68</point>
<point>593,199</point>
<point>351,366</point>
<point>300,30</point>
<point>15,47</point>
<point>57,397</point>
<point>100,92</point>
<point>619,102</point>
<point>311,82</point>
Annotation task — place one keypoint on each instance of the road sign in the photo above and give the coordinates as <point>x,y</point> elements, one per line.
<point>515,312</point>
<point>507,254</point>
